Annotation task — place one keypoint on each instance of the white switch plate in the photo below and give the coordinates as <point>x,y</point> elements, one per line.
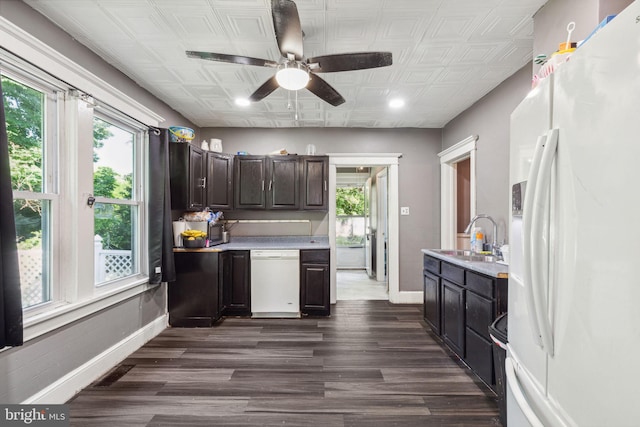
<point>404,210</point>
<point>158,270</point>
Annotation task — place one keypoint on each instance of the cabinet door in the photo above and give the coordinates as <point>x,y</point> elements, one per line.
<point>237,285</point>
<point>249,183</point>
<point>432,301</point>
<point>314,282</point>
<point>315,180</point>
<point>453,329</point>
<point>186,176</point>
<point>193,299</point>
<point>219,181</point>
<point>480,356</point>
<point>480,314</point>
<point>197,179</point>
<point>284,182</point>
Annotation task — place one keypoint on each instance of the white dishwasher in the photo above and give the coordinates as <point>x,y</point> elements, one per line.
<point>275,283</point>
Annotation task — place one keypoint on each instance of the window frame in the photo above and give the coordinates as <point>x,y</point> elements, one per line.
<point>116,118</point>
<point>52,92</point>
<point>32,56</point>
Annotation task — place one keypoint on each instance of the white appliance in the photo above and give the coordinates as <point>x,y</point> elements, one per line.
<point>275,283</point>
<point>574,324</point>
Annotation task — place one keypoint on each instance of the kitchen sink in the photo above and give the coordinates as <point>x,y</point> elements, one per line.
<point>466,255</point>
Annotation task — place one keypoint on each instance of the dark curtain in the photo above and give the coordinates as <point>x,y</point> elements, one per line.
<point>10,295</point>
<point>160,228</point>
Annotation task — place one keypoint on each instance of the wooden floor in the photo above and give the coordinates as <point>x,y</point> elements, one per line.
<point>370,364</point>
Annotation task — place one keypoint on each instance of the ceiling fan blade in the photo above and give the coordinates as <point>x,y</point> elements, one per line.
<point>323,90</point>
<point>234,59</point>
<point>286,23</point>
<point>265,90</point>
<point>349,61</point>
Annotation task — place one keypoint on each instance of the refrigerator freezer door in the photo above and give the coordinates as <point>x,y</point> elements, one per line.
<point>593,375</point>
<point>529,121</point>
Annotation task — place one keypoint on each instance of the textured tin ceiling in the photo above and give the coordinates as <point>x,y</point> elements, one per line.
<point>447,54</point>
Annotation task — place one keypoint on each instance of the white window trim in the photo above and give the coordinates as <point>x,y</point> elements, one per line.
<point>24,45</point>
<point>61,313</point>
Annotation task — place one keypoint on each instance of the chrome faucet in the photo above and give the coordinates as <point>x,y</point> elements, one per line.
<point>494,245</point>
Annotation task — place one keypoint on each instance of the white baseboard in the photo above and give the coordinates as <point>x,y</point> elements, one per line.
<point>407,297</point>
<point>66,387</point>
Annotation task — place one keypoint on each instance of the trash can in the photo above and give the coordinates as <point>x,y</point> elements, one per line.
<point>498,332</point>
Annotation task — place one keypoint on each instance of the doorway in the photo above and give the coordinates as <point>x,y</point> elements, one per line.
<point>361,233</point>
<point>458,192</point>
<point>377,163</point>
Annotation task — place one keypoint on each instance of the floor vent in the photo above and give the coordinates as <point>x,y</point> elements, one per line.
<point>113,376</point>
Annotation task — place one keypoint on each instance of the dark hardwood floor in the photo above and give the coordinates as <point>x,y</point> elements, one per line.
<point>370,364</point>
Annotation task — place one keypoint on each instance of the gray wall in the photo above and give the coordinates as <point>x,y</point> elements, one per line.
<point>28,369</point>
<point>489,119</point>
<point>419,176</point>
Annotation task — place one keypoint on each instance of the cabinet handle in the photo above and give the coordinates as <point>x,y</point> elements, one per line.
<point>263,185</point>
<point>325,185</point>
<point>204,182</point>
<point>270,185</point>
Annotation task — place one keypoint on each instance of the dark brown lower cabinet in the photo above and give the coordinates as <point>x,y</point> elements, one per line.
<point>453,316</point>
<point>236,282</point>
<point>468,302</point>
<point>314,282</point>
<point>431,294</point>
<point>196,275</point>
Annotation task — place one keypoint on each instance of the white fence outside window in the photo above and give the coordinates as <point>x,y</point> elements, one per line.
<point>109,265</point>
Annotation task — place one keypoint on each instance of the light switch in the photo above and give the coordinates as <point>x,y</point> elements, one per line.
<point>158,270</point>
<point>404,210</point>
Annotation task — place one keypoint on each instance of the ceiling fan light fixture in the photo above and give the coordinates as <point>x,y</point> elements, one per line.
<point>292,76</point>
<point>396,103</point>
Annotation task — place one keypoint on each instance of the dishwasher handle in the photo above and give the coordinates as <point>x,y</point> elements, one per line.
<point>275,254</point>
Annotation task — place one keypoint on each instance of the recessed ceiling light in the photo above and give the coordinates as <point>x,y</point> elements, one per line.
<point>396,103</point>
<point>243,102</point>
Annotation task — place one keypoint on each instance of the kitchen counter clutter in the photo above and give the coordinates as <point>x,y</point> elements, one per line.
<point>217,281</point>
<point>246,243</point>
<point>462,297</point>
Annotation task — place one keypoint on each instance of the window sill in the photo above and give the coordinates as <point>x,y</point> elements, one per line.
<point>64,314</point>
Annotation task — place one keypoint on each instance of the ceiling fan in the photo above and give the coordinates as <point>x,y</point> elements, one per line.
<point>295,71</point>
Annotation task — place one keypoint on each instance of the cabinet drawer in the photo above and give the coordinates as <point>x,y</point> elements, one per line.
<point>479,356</point>
<point>320,256</point>
<point>452,273</point>
<point>479,284</point>
<point>479,314</point>
<point>432,264</point>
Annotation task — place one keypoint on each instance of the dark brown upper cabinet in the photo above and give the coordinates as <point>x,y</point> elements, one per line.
<point>219,181</point>
<point>249,182</point>
<point>315,181</point>
<point>283,189</point>
<point>188,176</point>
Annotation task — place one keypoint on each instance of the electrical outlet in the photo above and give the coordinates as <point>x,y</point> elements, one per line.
<point>404,210</point>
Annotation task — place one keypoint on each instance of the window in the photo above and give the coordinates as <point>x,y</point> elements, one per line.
<point>116,210</point>
<point>31,115</point>
<point>66,147</point>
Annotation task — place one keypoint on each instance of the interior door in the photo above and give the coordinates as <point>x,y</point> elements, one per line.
<point>382,226</point>
<point>367,228</point>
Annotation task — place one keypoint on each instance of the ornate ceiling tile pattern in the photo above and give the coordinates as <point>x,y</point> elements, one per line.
<point>447,54</point>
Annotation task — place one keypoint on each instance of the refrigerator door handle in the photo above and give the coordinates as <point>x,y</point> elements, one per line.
<point>527,212</point>
<point>521,400</point>
<point>539,250</point>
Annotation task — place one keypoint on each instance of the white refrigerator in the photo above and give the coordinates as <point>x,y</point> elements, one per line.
<point>573,356</point>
